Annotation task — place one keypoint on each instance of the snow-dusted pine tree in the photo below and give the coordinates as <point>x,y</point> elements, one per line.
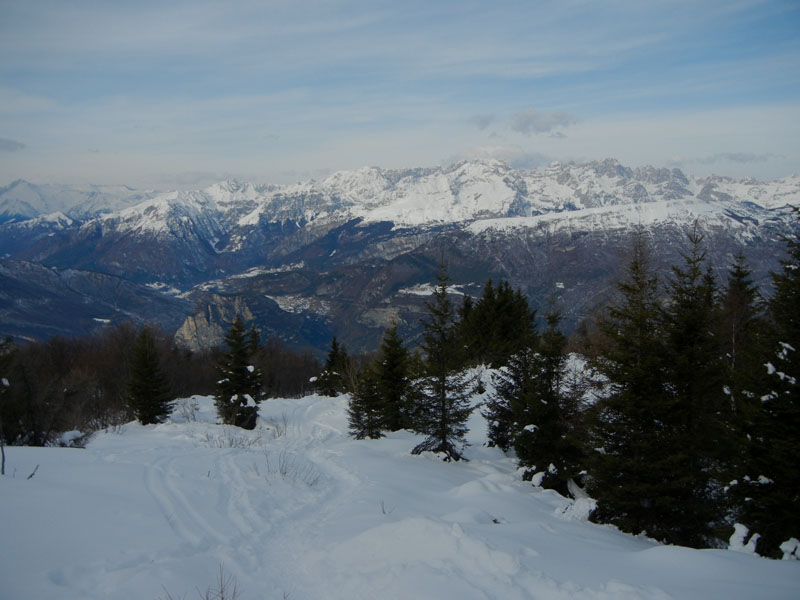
<point>545,440</point>
<point>331,381</point>
<point>442,397</point>
<point>239,388</point>
<point>744,339</point>
<point>772,487</point>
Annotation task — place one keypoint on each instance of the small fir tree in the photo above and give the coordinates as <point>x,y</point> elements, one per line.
<point>239,388</point>
<point>530,412</point>
<point>392,370</point>
<point>149,393</point>
<point>443,394</point>
<point>510,381</point>
<point>331,381</point>
<point>545,442</point>
<point>365,410</point>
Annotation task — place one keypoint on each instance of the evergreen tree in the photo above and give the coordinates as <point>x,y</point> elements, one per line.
<point>6,359</point>
<point>393,382</point>
<point>239,388</point>
<point>149,394</point>
<point>741,333</point>
<point>742,338</point>
<point>511,381</point>
<point>365,410</point>
<point>530,411</point>
<point>700,415</point>
<point>497,326</point>
<point>773,484</point>
<point>442,395</point>
<point>331,381</point>
<point>634,478</point>
<point>545,442</point>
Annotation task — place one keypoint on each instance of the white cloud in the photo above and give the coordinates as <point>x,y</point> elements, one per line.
<point>769,133</point>
<point>7,145</point>
<point>482,121</point>
<point>514,156</point>
<point>529,122</point>
<point>744,158</point>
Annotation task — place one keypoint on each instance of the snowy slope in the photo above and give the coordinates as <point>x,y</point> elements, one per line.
<point>738,221</point>
<point>301,511</point>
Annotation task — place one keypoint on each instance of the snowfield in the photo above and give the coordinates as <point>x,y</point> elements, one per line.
<point>296,509</point>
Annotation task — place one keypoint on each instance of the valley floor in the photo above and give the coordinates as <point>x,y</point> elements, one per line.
<point>296,509</point>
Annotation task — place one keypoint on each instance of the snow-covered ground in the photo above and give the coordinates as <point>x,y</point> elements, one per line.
<point>296,509</point>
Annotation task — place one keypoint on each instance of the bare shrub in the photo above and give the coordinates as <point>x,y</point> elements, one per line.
<point>225,588</point>
<point>289,468</point>
<point>231,438</point>
<point>278,426</point>
<point>187,409</point>
<point>385,510</point>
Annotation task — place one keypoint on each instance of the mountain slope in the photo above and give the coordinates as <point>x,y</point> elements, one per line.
<point>39,302</point>
<point>340,252</point>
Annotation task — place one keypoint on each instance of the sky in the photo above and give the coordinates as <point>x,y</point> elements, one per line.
<point>181,94</point>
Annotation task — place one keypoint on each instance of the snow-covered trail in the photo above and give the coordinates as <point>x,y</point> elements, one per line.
<point>298,510</point>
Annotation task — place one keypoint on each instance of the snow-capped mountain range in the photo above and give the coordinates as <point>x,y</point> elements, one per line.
<point>463,192</point>
<point>482,217</point>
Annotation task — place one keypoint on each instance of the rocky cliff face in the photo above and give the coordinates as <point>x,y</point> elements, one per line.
<point>206,327</point>
<point>353,253</point>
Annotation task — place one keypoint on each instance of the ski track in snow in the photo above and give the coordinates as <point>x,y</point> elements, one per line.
<point>178,512</point>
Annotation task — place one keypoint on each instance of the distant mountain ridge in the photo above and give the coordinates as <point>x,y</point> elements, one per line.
<point>461,192</point>
<point>21,200</point>
<point>334,256</point>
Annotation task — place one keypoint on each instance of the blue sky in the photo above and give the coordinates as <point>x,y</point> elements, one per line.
<point>165,94</point>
